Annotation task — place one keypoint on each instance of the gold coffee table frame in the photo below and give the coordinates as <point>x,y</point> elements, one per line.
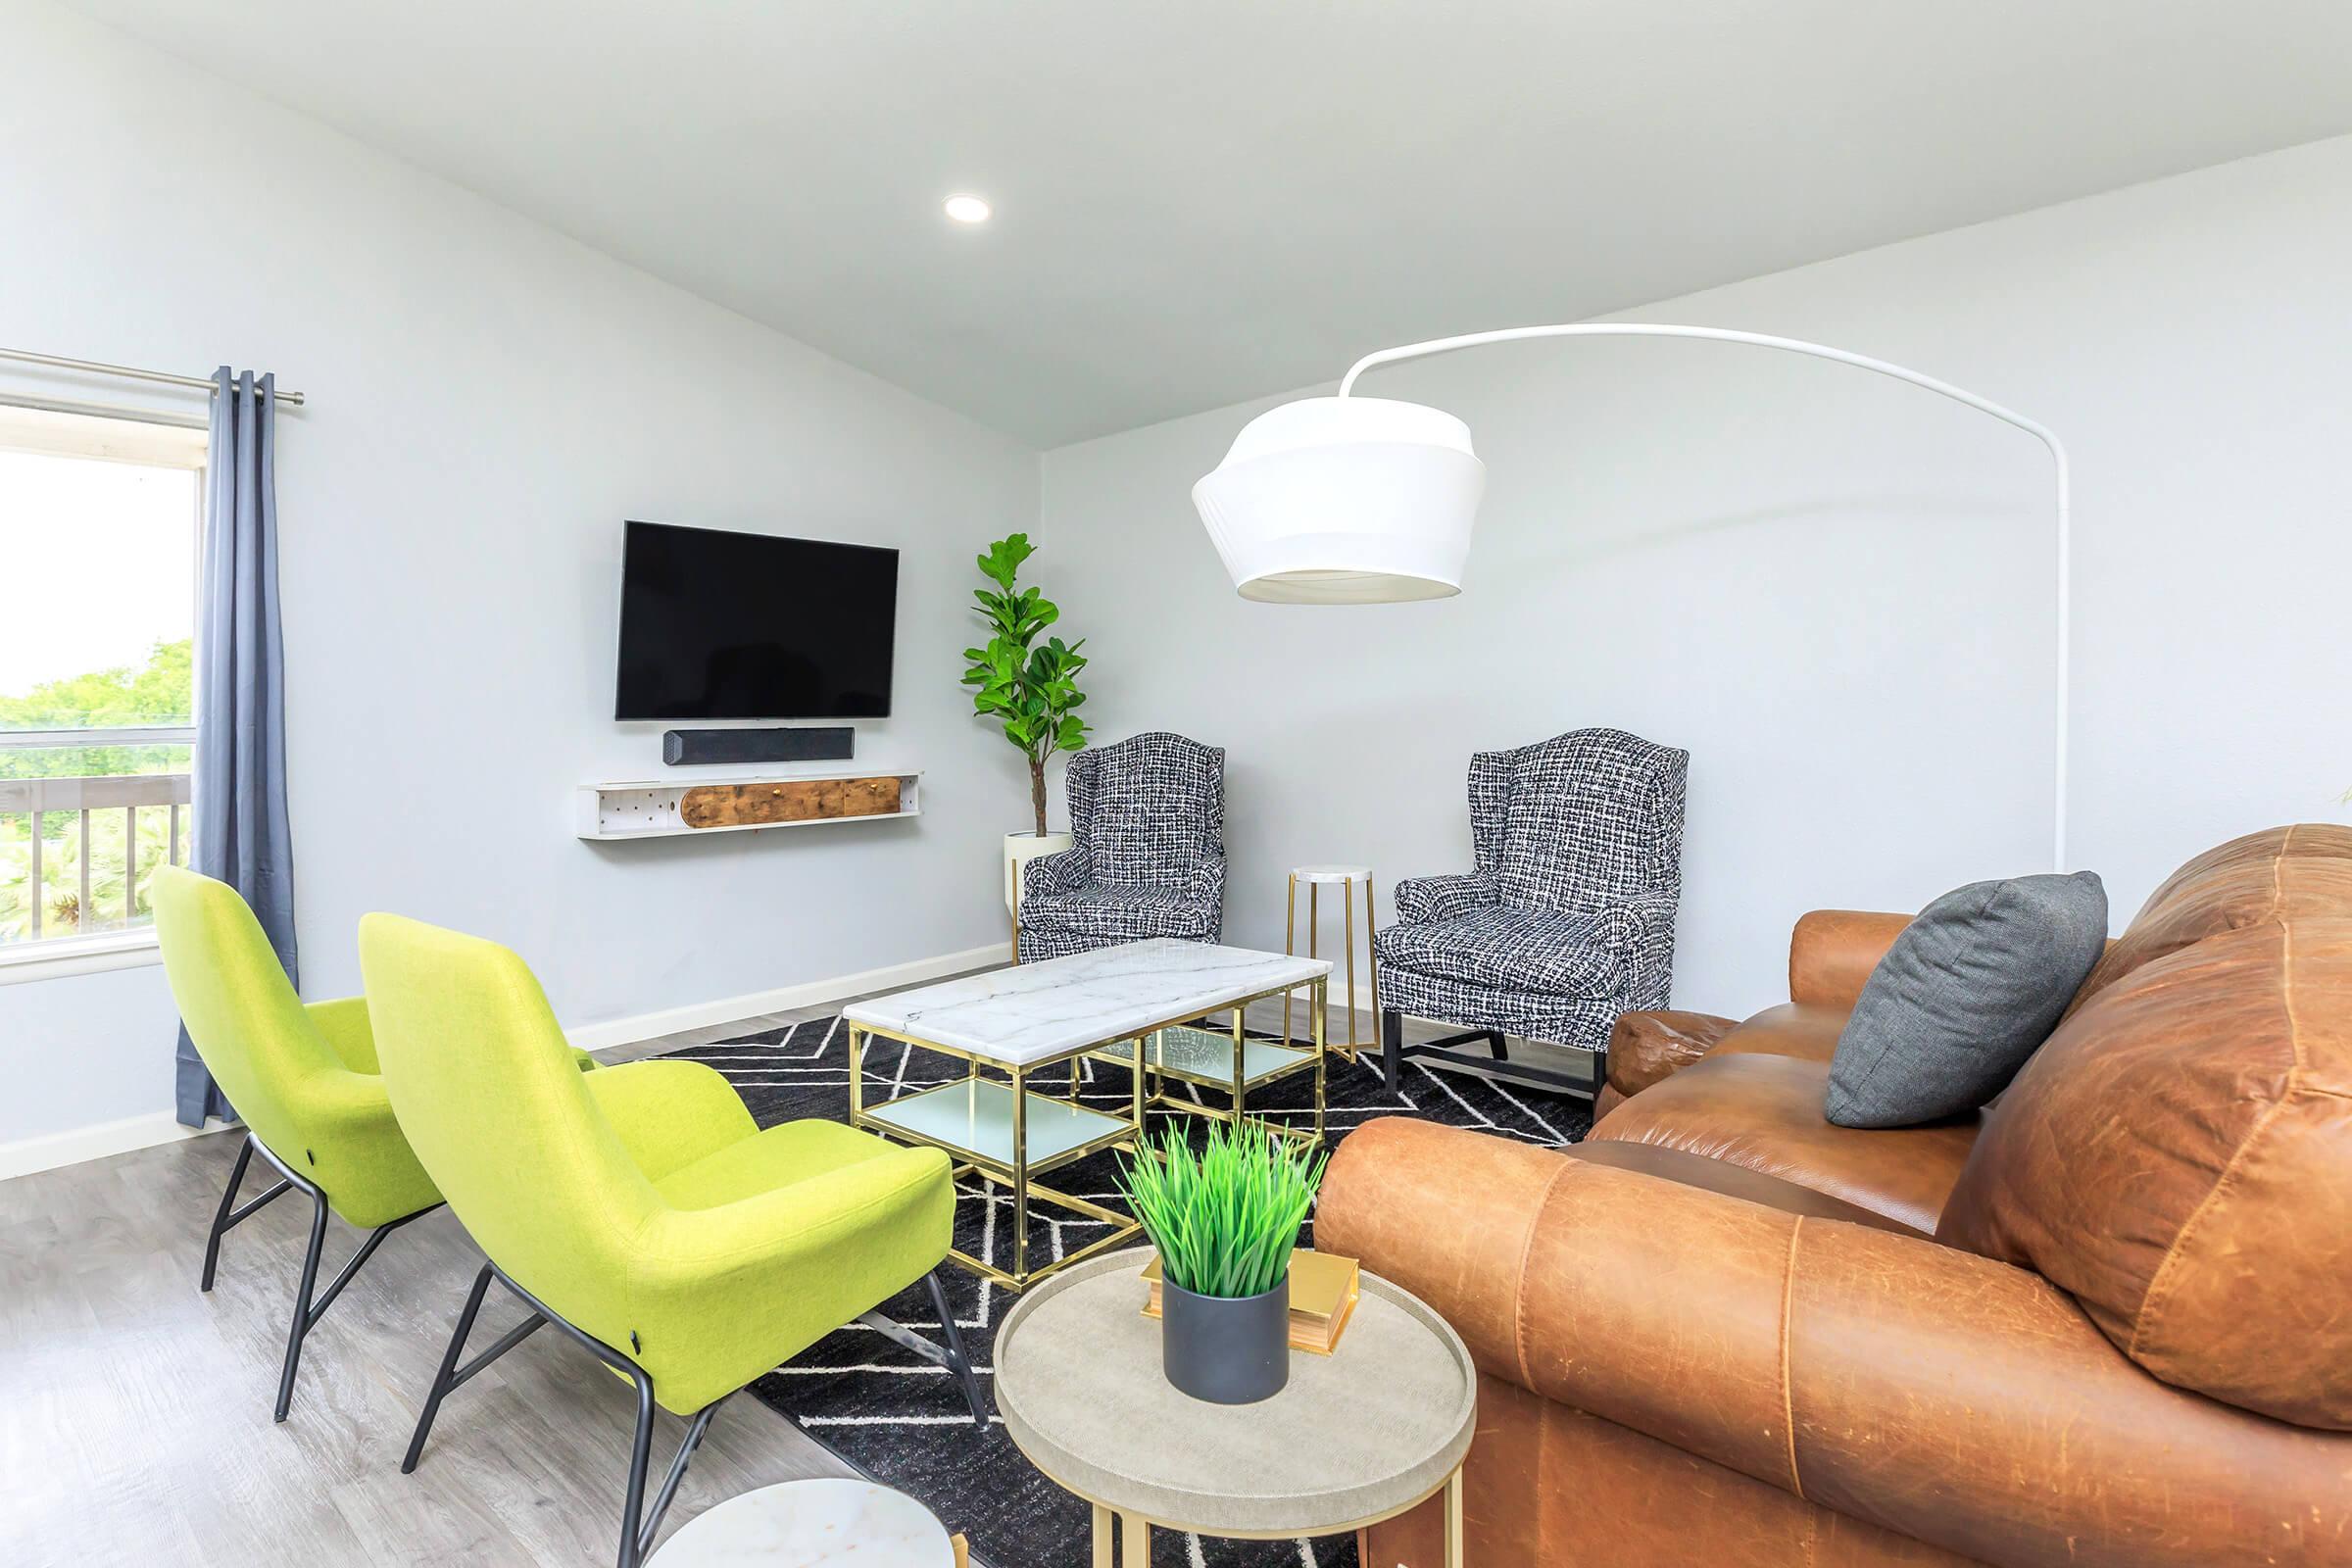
<point>1011,1167</point>
<point>1239,1082</point>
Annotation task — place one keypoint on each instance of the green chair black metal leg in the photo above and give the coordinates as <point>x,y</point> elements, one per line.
<point>307,1311</point>
<point>639,1522</point>
<point>225,1218</point>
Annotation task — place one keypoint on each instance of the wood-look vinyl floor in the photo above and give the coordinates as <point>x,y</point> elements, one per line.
<point>134,1412</point>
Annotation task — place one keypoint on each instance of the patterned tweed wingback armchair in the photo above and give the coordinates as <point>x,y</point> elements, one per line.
<point>1568,920</point>
<point>1148,820</point>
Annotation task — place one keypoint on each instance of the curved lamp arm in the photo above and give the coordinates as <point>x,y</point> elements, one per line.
<point>1822,351</point>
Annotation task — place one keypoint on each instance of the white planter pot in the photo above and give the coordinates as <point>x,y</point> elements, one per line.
<point>1019,849</point>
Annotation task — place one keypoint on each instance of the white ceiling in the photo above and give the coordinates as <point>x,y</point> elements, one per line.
<point>1206,201</point>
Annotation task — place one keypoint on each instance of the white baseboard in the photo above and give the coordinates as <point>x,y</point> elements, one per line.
<point>809,994</point>
<point>71,1148</point>
<point>50,1150</point>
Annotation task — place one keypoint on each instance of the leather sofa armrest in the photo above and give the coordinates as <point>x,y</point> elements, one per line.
<point>1645,1048</point>
<point>1928,1391</point>
<point>1832,953</point>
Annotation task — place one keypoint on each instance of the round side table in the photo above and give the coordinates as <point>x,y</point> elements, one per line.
<point>812,1522</point>
<point>1347,878</point>
<point>1379,1425</point>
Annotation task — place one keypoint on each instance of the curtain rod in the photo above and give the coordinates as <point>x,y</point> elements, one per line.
<point>93,367</point>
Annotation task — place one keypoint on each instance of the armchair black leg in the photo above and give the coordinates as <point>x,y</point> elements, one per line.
<point>639,1524</point>
<point>1391,1047</point>
<point>1496,1045</point>
<point>226,1218</point>
<point>950,1355</point>
<point>694,1429</point>
<point>309,1302</point>
<point>958,1361</point>
<point>228,1198</point>
<point>303,1319</point>
<point>445,1378</point>
<point>641,1453</point>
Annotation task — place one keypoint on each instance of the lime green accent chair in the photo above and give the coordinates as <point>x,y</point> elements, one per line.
<point>640,1208</point>
<point>303,1079</point>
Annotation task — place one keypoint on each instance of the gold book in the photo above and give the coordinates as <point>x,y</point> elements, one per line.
<point>1323,1292</point>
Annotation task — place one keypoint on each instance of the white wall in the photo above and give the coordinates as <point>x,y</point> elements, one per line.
<point>1834,590</point>
<point>488,402</point>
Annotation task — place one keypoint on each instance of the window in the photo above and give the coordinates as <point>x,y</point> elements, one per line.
<point>100,526</point>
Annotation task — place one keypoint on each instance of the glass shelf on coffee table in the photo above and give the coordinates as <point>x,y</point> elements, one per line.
<point>1232,1062</point>
<point>1033,1018</point>
<point>973,1116</point>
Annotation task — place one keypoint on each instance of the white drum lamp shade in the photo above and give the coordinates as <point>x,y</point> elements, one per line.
<point>1362,500</point>
<point>1344,501</point>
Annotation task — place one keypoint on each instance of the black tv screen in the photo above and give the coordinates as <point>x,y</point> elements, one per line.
<point>747,625</point>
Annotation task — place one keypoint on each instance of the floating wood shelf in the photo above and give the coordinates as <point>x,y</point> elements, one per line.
<point>662,808</point>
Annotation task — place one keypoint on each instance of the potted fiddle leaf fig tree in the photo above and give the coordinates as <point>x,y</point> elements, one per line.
<point>1224,1221</point>
<point>1029,687</point>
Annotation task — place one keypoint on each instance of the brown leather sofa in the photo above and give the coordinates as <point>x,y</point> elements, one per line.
<point>2105,1324</point>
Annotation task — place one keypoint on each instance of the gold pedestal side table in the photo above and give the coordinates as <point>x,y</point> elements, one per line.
<point>1347,878</point>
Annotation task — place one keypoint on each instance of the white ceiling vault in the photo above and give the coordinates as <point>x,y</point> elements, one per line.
<point>1203,200</point>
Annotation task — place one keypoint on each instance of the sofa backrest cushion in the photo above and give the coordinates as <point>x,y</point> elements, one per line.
<point>1594,817</point>
<point>2179,1157</point>
<point>2281,873</point>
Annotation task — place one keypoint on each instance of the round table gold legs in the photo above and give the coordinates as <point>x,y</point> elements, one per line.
<point>1135,1539</point>
<point>1134,1545</point>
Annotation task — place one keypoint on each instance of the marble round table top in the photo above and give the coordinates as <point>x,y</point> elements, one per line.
<point>812,1524</point>
<point>1374,1426</point>
<point>1331,873</point>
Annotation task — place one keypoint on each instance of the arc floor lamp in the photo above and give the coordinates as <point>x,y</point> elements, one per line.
<point>1358,500</point>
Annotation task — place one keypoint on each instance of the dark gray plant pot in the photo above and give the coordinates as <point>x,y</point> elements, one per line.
<point>1226,1350</point>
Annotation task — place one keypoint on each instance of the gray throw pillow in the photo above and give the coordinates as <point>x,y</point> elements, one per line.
<point>1969,991</point>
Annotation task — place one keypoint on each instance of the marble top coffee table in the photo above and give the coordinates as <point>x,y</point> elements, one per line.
<point>1025,1019</point>
<point>1379,1425</point>
<point>808,1524</point>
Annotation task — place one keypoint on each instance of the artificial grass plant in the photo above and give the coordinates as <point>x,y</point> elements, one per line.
<point>1226,1218</point>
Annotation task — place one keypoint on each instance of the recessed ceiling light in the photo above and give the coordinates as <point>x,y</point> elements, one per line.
<point>967,209</point>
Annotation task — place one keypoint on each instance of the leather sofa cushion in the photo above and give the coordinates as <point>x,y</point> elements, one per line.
<point>1647,1047</point>
<point>2179,1157</point>
<point>1733,1181</point>
<point>1808,1033</point>
<point>2281,873</point>
<point>1763,1112</point>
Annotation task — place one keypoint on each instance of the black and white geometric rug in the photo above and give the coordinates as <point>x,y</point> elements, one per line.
<point>903,1421</point>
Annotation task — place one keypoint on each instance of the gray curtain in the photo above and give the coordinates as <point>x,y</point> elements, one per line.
<point>241,834</point>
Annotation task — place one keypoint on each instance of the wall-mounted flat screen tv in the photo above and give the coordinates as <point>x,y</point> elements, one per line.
<point>747,625</point>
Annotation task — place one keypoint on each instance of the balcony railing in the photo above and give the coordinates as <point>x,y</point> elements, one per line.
<point>83,802</point>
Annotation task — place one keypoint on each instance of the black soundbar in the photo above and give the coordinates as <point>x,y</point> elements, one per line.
<point>694,748</point>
